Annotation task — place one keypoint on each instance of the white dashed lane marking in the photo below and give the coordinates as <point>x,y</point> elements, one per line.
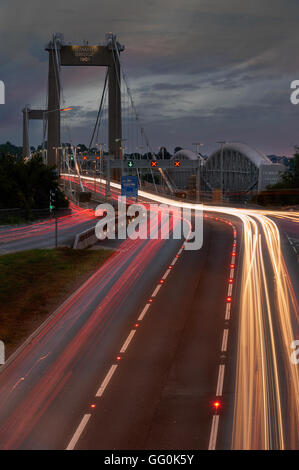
<point>127,342</point>
<point>78,432</point>
<point>106,380</point>
<point>219,388</point>
<point>214,432</point>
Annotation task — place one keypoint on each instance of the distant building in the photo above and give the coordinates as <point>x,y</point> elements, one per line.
<point>245,169</point>
<point>241,168</point>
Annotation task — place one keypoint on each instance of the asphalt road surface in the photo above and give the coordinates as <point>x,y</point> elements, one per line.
<point>163,377</point>
<point>42,234</point>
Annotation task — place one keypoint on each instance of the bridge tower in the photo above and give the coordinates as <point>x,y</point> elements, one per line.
<point>61,54</point>
<point>84,55</point>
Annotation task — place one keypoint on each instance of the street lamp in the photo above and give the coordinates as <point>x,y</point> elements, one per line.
<point>102,146</point>
<point>57,109</point>
<point>74,150</point>
<point>197,145</point>
<point>200,162</point>
<point>45,113</point>
<point>162,151</point>
<point>122,153</point>
<point>222,143</point>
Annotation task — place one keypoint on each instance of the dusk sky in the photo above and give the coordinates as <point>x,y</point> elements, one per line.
<point>199,70</point>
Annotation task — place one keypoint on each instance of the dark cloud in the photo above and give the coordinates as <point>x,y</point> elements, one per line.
<point>197,69</point>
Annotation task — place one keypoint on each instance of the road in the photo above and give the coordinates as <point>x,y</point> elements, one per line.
<point>42,234</point>
<point>138,357</point>
<point>266,407</point>
<point>169,368</point>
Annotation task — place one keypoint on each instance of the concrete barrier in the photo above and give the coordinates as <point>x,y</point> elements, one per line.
<point>85,239</point>
<point>88,237</point>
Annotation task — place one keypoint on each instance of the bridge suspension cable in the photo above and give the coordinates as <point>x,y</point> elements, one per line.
<point>163,173</point>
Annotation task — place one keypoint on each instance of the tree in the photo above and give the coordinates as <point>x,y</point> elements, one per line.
<point>286,191</point>
<point>27,185</point>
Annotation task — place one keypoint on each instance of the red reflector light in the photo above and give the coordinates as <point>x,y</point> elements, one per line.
<point>93,405</point>
<point>228,299</point>
<point>230,281</point>
<point>150,300</point>
<point>162,281</point>
<point>136,325</point>
<point>216,405</point>
<point>234,244</point>
<point>232,266</point>
<point>169,267</point>
<point>176,256</point>
<point>118,358</point>
<point>233,253</point>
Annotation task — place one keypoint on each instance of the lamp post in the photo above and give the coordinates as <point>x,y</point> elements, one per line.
<point>45,113</point>
<point>222,143</point>
<point>122,153</point>
<point>197,146</point>
<point>101,145</point>
<point>198,170</point>
<point>74,149</point>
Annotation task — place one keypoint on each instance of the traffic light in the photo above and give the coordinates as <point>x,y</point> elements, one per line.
<point>177,163</point>
<point>85,157</point>
<point>130,163</point>
<point>98,157</point>
<point>154,164</point>
<point>52,199</point>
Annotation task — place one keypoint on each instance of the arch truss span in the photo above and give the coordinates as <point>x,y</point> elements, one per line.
<point>235,167</point>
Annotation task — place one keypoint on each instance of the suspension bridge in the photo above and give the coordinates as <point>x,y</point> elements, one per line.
<point>118,142</point>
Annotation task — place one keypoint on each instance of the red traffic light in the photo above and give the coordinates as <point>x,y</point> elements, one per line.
<point>177,163</point>
<point>85,157</point>
<point>98,158</point>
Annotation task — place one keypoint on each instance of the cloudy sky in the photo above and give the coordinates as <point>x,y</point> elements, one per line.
<point>199,70</point>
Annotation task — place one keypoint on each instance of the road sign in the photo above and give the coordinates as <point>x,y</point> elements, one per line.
<point>177,163</point>
<point>129,186</point>
<point>130,163</point>
<point>154,164</point>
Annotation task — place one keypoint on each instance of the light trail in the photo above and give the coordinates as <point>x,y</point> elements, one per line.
<point>45,227</point>
<point>268,323</point>
<point>125,268</point>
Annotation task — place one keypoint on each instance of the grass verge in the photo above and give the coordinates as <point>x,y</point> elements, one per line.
<point>34,283</point>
